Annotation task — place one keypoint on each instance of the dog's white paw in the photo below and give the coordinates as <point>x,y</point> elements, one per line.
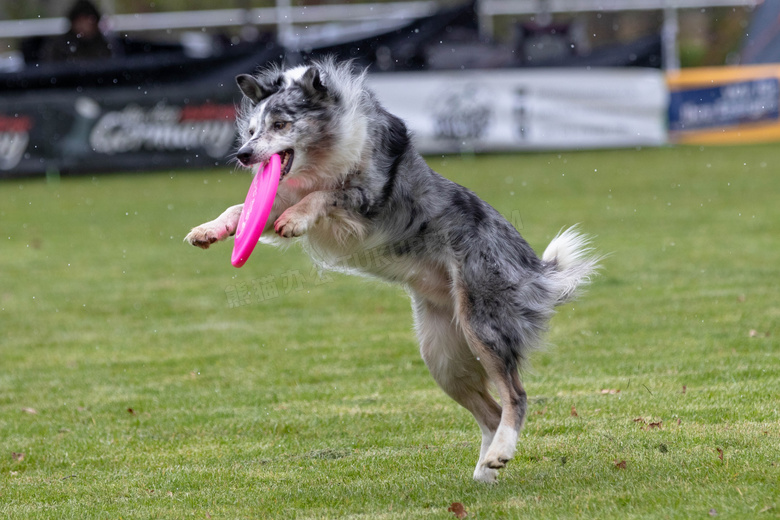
<point>487,468</point>
<point>497,460</point>
<point>502,449</point>
<point>292,223</point>
<point>206,234</point>
<point>485,474</point>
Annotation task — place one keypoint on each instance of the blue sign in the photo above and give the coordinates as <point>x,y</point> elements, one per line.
<point>726,105</point>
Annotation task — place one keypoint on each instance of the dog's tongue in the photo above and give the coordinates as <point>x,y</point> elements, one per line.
<point>257,208</point>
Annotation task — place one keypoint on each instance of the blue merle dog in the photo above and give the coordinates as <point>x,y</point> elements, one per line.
<point>360,199</point>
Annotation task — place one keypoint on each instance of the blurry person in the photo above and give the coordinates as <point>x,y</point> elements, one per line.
<point>83,41</point>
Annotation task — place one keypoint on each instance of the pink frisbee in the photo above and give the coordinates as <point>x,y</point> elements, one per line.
<point>257,208</point>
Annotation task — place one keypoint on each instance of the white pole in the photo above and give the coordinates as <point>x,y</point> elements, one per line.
<point>485,20</point>
<point>284,23</point>
<point>670,52</point>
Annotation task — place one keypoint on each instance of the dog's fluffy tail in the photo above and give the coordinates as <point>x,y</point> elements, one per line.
<point>571,262</point>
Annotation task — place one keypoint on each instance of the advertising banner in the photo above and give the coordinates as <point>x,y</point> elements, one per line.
<point>724,104</point>
<point>162,113</point>
<point>94,132</point>
<point>528,109</point>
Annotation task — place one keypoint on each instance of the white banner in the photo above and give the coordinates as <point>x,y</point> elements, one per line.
<point>528,109</point>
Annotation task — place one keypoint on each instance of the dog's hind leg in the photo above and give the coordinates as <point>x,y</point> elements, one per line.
<point>506,380</point>
<point>500,366</point>
<point>459,373</point>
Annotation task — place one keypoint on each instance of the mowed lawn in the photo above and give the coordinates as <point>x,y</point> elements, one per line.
<point>143,378</point>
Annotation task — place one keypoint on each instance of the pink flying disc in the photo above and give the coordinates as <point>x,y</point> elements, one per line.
<point>257,208</point>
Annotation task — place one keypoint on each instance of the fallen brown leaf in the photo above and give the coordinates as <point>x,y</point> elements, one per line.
<point>17,457</point>
<point>655,425</point>
<point>720,454</point>
<point>685,389</point>
<point>31,411</point>
<point>713,512</point>
<point>574,412</point>
<point>131,411</point>
<point>640,419</point>
<point>620,464</point>
<point>458,510</point>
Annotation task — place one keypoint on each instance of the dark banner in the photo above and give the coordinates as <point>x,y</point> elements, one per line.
<point>144,112</point>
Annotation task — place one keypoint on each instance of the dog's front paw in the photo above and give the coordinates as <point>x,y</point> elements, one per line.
<point>292,224</point>
<point>206,234</point>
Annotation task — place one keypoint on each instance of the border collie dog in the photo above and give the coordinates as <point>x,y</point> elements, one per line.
<point>352,185</point>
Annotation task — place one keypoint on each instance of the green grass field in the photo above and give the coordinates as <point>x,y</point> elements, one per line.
<point>143,378</point>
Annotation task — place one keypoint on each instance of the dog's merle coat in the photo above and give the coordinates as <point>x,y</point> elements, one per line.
<point>362,200</point>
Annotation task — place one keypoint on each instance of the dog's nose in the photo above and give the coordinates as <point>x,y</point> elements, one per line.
<point>244,155</point>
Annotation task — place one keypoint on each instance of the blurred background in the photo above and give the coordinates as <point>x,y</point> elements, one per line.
<point>150,84</point>
<point>710,32</point>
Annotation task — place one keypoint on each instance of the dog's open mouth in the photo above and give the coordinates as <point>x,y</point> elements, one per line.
<point>287,159</point>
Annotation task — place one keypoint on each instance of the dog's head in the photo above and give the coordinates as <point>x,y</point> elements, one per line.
<point>297,113</point>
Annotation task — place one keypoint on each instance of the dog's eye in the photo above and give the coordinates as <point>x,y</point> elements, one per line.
<point>281,125</point>
<point>251,132</point>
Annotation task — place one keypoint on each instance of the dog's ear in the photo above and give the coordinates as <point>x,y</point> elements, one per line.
<point>312,84</point>
<point>253,89</point>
